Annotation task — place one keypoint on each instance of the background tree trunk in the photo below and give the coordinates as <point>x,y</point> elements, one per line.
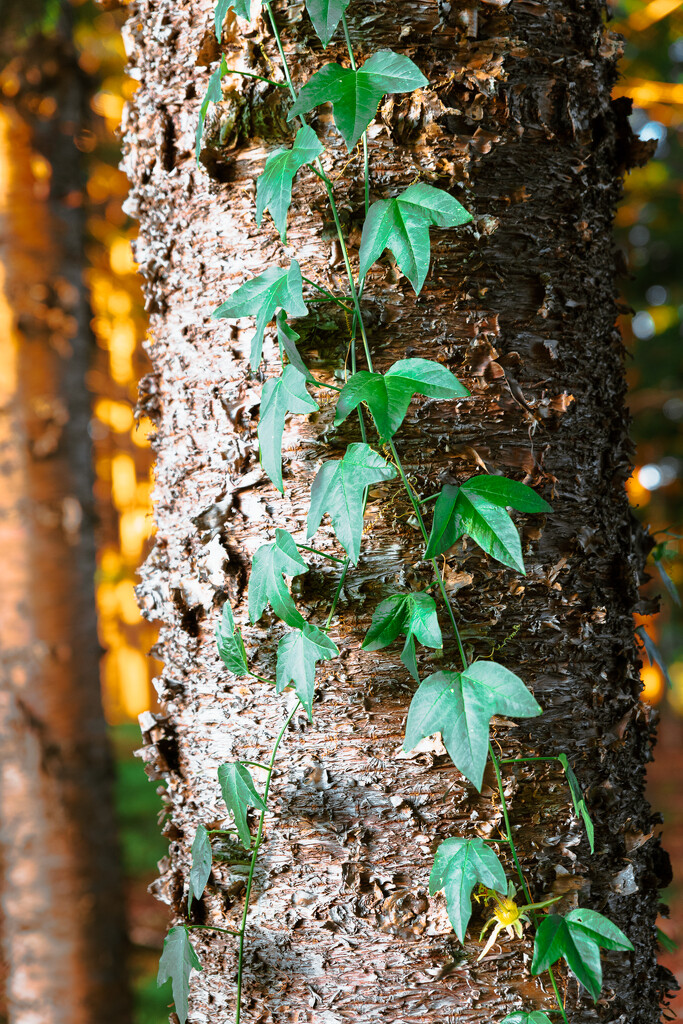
<point>518,123</point>
<point>63,924</point>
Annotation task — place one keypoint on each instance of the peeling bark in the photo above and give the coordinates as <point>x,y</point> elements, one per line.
<point>517,122</point>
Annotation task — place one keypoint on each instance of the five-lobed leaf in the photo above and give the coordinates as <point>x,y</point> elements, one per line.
<point>297,654</point>
<point>355,95</point>
<point>276,288</point>
<point>577,937</point>
<point>213,94</point>
<point>274,186</point>
<point>580,808</point>
<point>200,869</point>
<point>339,488</point>
<point>402,225</point>
<point>522,1017</point>
<point>478,509</point>
<point>460,706</point>
<point>388,395</point>
<point>239,793</point>
<point>176,963</point>
<point>266,584</point>
<point>413,614</point>
<point>230,644</point>
<point>326,15</point>
<point>459,865</point>
<point>280,396</point>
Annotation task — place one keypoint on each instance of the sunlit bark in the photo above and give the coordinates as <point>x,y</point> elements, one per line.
<point>518,123</point>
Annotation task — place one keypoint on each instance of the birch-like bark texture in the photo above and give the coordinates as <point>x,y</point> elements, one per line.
<point>517,122</point>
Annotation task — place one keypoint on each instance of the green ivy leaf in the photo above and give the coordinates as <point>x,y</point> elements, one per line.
<point>389,395</point>
<point>478,510</point>
<point>326,15</point>
<point>261,297</point>
<point>413,614</point>
<point>202,856</point>
<point>654,654</point>
<point>274,186</point>
<point>279,396</point>
<point>239,793</point>
<point>580,808</point>
<point>241,7</point>
<point>266,585</point>
<point>459,865</point>
<point>402,225</point>
<point>355,95</point>
<point>213,94</point>
<point>338,489</point>
<point>577,937</point>
<point>176,963</point>
<point>534,1017</point>
<point>230,644</point>
<point>287,339</point>
<point>297,654</point>
<point>460,705</point>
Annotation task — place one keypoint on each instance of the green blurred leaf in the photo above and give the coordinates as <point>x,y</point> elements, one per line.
<point>177,961</point>
<point>239,793</point>
<point>460,706</point>
<point>654,654</point>
<point>402,225</point>
<point>276,288</point>
<point>297,654</point>
<point>338,490</point>
<point>459,865</point>
<point>355,95</point>
<point>266,584</point>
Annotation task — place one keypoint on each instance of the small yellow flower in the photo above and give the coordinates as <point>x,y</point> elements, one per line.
<point>507,915</point>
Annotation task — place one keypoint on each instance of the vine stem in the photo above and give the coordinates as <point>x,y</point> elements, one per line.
<point>249,74</point>
<point>358,320</point>
<point>506,817</point>
<point>333,298</point>
<point>513,850</point>
<point>364,136</point>
<point>252,865</point>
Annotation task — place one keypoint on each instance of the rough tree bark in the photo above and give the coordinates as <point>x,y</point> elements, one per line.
<point>63,923</point>
<point>518,122</point>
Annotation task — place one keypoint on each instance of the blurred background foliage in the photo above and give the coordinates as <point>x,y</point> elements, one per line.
<point>649,235</point>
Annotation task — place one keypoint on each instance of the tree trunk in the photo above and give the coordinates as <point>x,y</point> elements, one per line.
<point>517,123</point>
<point>63,923</point>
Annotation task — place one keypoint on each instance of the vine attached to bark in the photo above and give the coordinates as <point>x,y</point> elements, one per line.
<point>458,703</point>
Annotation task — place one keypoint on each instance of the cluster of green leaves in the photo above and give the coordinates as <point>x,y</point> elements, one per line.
<point>459,705</point>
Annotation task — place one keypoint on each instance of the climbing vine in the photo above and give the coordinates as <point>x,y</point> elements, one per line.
<point>459,702</point>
